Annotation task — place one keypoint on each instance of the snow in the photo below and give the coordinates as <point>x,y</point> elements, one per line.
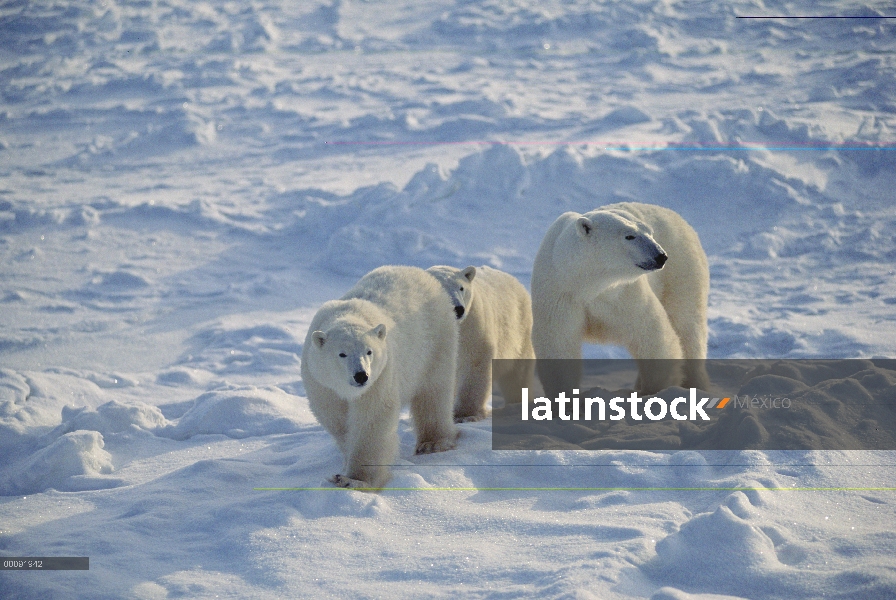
<point>182,184</point>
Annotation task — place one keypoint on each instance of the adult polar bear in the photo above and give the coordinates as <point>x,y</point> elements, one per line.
<point>390,340</point>
<point>630,274</point>
<point>494,313</point>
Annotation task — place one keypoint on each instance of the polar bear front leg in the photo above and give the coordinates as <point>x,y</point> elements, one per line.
<point>636,319</point>
<point>433,416</point>
<point>432,404</point>
<point>558,327</point>
<point>330,410</point>
<point>371,443</point>
<point>558,330</point>
<point>432,410</point>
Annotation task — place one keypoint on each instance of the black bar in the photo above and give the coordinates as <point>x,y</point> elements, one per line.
<point>45,563</point>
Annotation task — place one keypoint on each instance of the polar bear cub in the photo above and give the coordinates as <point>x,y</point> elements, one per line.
<point>630,274</point>
<point>389,341</point>
<point>494,314</point>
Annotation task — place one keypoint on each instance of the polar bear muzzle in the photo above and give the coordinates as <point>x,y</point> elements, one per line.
<point>655,264</point>
<point>360,378</point>
<point>653,256</point>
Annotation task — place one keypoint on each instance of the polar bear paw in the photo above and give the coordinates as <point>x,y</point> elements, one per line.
<point>478,416</point>
<point>430,447</point>
<point>348,482</point>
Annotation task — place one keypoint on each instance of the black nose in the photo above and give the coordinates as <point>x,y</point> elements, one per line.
<point>361,377</point>
<point>459,311</point>
<point>660,260</point>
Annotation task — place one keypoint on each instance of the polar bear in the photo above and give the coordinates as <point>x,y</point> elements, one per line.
<point>630,274</point>
<point>494,314</point>
<point>389,341</point>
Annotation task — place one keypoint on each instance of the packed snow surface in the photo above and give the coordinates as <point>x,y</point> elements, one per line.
<point>183,183</point>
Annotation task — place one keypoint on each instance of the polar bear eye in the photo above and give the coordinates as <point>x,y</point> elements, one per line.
<point>369,353</point>
<point>342,355</point>
<point>629,237</point>
<point>461,288</point>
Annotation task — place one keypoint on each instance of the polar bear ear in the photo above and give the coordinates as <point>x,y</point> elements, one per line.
<point>469,273</point>
<point>584,226</point>
<point>319,338</point>
<point>380,331</point>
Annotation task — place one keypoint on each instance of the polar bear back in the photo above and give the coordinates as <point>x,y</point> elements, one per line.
<point>500,316</point>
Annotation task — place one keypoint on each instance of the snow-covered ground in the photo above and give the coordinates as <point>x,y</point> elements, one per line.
<point>183,183</point>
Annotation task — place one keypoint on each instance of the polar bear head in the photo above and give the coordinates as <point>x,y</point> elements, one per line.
<point>347,358</point>
<point>459,285</point>
<point>611,246</point>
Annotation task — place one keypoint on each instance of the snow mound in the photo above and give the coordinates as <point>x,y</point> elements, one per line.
<point>233,348</point>
<point>240,412</point>
<point>111,417</point>
<point>746,552</point>
<point>30,404</point>
<point>14,389</point>
<point>74,462</point>
<point>670,593</point>
<point>372,247</point>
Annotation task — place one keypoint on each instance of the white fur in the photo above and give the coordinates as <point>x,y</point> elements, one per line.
<point>495,320</point>
<point>595,279</point>
<point>396,326</point>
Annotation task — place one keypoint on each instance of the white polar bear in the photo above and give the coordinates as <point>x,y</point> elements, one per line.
<point>630,274</point>
<point>495,321</point>
<point>390,341</point>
